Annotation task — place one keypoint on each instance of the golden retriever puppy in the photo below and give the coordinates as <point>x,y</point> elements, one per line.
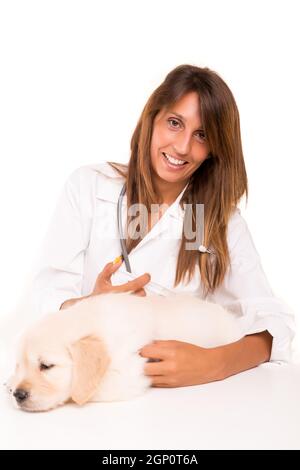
<point>90,351</point>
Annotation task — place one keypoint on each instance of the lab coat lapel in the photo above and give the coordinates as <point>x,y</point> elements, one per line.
<point>168,227</point>
<point>109,189</point>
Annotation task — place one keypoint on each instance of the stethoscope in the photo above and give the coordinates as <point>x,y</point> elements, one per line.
<point>124,252</point>
<point>120,229</point>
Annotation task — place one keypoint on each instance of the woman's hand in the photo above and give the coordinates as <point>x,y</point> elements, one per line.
<point>181,364</point>
<point>103,282</point>
<point>103,285</point>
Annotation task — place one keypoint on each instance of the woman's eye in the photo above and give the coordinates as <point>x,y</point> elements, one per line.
<point>201,136</point>
<point>44,366</point>
<point>172,121</point>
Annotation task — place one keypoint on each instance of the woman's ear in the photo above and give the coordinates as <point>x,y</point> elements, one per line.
<point>90,361</point>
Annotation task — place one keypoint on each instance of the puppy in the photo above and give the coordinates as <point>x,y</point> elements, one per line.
<point>90,351</point>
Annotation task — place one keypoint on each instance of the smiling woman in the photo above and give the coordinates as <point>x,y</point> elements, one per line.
<point>178,146</point>
<point>188,139</point>
<point>186,151</point>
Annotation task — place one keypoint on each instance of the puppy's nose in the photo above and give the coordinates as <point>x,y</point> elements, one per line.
<point>20,395</point>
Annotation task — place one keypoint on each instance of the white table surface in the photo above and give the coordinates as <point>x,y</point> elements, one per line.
<point>257,409</point>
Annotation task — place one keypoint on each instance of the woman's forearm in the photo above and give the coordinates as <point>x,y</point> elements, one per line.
<point>248,352</point>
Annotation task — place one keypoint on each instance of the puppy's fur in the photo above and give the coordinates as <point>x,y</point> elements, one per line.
<point>90,351</point>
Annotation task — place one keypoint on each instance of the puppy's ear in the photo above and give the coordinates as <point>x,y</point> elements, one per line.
<point>90,361</point>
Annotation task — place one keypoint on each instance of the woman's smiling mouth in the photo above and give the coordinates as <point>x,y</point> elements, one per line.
<point>172,162</point>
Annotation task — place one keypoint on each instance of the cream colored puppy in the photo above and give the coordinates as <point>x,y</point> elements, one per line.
<point>90,351</point>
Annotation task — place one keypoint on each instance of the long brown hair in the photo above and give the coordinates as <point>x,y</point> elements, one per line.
<point>220,181</point>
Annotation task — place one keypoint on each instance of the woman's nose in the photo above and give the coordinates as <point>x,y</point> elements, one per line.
<point>182,144</point>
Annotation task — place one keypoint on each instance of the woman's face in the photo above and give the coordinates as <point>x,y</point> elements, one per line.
<point>178,137</point>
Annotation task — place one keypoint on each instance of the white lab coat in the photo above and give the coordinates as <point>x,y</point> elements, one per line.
<point>83,237</point>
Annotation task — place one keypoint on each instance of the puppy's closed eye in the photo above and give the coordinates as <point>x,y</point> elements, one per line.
<point>44,366</point>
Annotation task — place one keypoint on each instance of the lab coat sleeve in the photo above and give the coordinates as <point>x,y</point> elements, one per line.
<point>246,291</point>
<point>59,266</point>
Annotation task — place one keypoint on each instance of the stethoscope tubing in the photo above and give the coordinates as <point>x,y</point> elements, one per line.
<point>201,248</point>
<point>120,228</point>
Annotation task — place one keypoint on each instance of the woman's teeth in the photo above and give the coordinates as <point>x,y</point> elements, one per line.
<point>173,160</point>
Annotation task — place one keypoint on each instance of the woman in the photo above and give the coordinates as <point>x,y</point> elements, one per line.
<point>185,151</point>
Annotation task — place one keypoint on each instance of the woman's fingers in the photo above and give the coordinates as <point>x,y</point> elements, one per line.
<point>140,293</point>
<point>104,285</point>
<point>109,269</point>
<point>134,285</point>
<point>103,282</point>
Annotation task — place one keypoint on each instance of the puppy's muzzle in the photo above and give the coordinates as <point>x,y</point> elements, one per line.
<point>20,395</point>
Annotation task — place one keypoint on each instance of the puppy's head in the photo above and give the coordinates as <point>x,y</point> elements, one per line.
<point>52,368</point>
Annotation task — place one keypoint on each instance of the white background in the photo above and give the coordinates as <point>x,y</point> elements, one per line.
<point>75,76</point>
